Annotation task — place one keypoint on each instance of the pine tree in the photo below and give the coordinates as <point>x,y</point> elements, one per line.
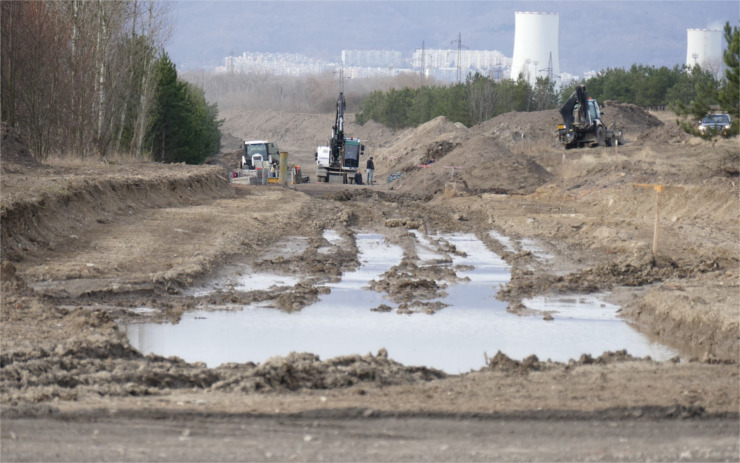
<point>185,127</point>
<point>729,95</point>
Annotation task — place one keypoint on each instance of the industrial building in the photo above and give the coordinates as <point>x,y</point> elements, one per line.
<point>704,48</point>
<point>536,46</point>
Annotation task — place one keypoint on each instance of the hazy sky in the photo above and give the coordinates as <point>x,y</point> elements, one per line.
<point>593,34</point>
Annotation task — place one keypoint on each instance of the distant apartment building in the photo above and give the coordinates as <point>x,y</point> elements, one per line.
<point>437,63</point>
<point>442,64</point>
<point>373,59</point>
<point>289,64</point>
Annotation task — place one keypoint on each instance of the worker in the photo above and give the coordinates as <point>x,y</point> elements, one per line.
<point>358,177</point>
<point>370,167</point>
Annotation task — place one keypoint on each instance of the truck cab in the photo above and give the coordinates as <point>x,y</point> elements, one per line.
<point>256,151</point>
<point>323,156</point>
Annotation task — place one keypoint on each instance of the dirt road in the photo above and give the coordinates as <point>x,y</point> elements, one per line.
<point>334,437</point>
<point>83,247</point>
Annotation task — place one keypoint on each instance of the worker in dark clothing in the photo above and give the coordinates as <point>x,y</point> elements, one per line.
<point>358,177</point>
<point>370,167</point>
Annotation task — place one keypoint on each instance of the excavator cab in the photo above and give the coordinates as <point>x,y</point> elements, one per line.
<point>352,152</point>
<point>593,109</point>
<point>582,124</point>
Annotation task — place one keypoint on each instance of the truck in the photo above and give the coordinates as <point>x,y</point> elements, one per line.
<point>582,124</point>
<point>341,158</point>
<point>260,164</point>
<point>256,152</point>
<point>322,156</point>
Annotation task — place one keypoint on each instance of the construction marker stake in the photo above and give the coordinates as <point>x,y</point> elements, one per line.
<point>656,226</point>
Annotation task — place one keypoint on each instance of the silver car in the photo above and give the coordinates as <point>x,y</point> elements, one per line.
<point>715,123</point>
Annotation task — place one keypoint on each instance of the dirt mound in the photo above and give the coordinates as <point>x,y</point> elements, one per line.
<point>515,127</point>
<point>437,151</point>
<point>411,147</point>
<point>633,120</point>
<point>664,134</point>
<point>482,165</point>
<point>14,151</point>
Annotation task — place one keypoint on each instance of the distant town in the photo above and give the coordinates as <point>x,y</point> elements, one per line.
<point>439,64</point>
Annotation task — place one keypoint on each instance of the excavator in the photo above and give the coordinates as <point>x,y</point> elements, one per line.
<point>582,124</point>
<point>343,153</point>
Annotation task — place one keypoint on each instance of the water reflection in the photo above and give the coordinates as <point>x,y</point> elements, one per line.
<point>454,339</point>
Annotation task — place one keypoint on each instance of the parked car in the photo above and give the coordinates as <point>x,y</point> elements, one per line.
<point>715,123</point>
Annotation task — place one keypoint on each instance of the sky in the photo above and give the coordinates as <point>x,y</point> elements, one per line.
<point>593,35</point>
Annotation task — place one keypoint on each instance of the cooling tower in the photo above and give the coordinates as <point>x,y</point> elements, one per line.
<point>704,47</point>
<point>536,46</point>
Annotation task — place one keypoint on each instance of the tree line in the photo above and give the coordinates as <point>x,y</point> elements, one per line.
<point>476,100</point>
<point>86,78</point>
<point>688,91</point>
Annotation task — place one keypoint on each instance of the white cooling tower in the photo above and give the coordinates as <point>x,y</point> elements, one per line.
<point>536,46</point>
<point>704,47</point>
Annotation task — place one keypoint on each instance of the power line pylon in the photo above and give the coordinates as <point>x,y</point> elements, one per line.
<point>459,56</point>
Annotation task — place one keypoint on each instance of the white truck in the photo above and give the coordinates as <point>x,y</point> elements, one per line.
<point>260,161</point>
<point>260,165</point>
<point>323,155</point>
<point>256,152</point>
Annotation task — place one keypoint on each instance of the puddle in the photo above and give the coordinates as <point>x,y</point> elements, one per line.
<point>531,245</point>
<point>504,240</point>
<point>334,239</point>
<point>455,339</point>
<point>240,278</point>
<point>426,251</point>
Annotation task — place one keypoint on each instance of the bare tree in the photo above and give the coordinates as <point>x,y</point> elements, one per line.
<point>157,32</point>
<point>33,55</point>
<point>72,70</point>
<point>481,99</point>
<point>11,15</point>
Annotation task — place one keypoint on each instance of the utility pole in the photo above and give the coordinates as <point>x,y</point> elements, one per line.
<point>459,56</point>
<point>548,69</point>
<point>423,63</point>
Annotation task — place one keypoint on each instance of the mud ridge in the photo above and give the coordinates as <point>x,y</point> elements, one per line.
<point>35,224</point>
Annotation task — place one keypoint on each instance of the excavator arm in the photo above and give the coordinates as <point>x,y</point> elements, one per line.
<point>581,117</point>
<point>336,144</point>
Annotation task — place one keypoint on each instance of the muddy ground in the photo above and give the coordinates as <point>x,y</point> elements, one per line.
<point>84,245</point>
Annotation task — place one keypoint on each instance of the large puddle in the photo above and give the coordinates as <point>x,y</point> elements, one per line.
<point>455,339</point>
